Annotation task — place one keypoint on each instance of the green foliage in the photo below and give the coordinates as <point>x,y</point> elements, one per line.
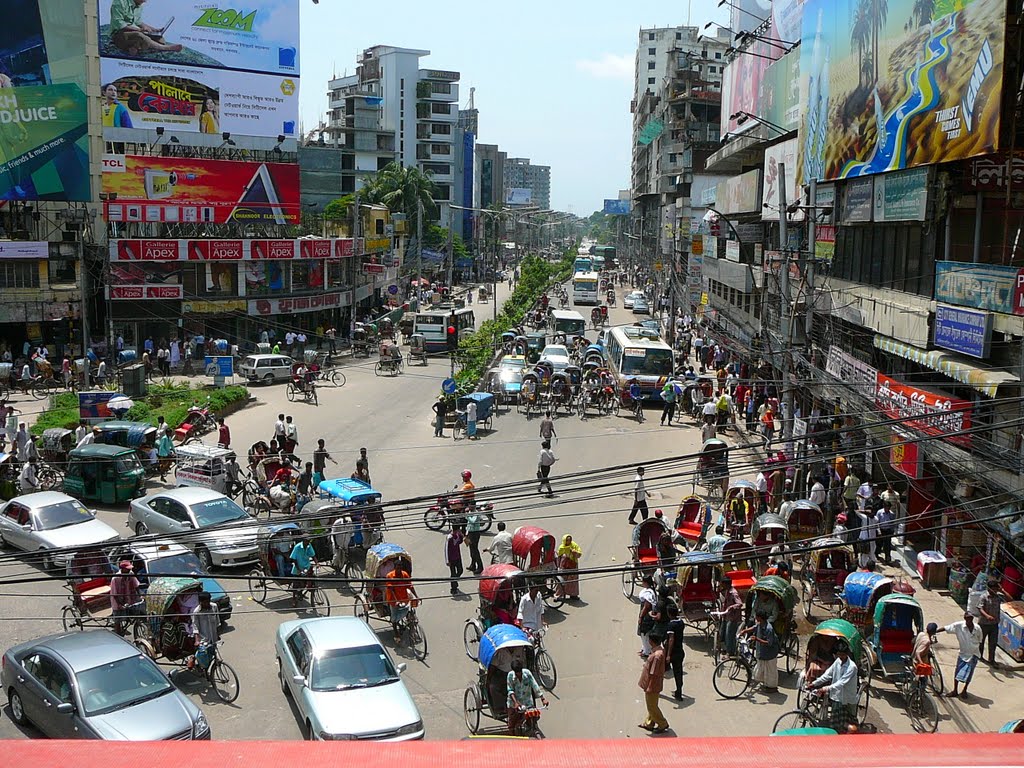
<point>436,237</point>
<point>170,401</point>
<point>402,190</point>
<point>340,209</point>
<point>536,275</point>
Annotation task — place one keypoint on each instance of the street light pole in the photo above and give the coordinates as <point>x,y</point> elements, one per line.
<point>784,318</point>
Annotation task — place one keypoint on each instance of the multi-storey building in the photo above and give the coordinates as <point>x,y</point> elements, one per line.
<point>418,107</point>
<point>490,175</point>
<point>520,174</point>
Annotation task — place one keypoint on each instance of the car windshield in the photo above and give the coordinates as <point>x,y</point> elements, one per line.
<point>345,668</point>
<point>61,515</point>
<point>512,376</point>
<point>121,684</point>
<point>217,511</point>
<point>127,463</point>
<point>571,325</point>
<point>185,564</point>
<point>651,362</point>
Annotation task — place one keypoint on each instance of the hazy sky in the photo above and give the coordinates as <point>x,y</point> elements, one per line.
<point>553,79</point>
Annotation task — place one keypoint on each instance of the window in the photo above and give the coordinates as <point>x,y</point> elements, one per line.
<point>718,54</point>
<point>440,149</point>
<point>298,647</point>
<point>650,65</point>
<point>440,108</point>
<point>652,51</point>
<point>19,274</point>
<point>440,87</point>
<point>650,81</point>
<point>308,275</point>
<point>62,271</point>
<point>444,129</point>
<point>711,69</point>
<point>679,35</point>
<point>336,274</point>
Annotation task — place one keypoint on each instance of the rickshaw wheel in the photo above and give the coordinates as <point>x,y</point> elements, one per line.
<point>806,596</point>
<point>792,651</point>
<point>471,708</point>
<point>556,596</point>
<point>145,646</point>
<point>353,578</point>
<point>731,678</point>
<point>224,681</point>
<point>471,639</point>
<point>797,718</point>
<point>291,392</point>
<point>70,618</point>
<point>319,603</point>
<point>49,479</point>
<point>544,666</point>
<point>628,583</point>
<point>863,702</point>
<point>935,682</point>
<point>361,610</point>
<point>257,585</point>
<point>417,640</point>
<point>337,378</point>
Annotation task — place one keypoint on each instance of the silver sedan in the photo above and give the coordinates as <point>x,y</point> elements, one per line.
<point>51,523</point>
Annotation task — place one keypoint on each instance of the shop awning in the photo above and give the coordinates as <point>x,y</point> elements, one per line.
<point>985,380</point>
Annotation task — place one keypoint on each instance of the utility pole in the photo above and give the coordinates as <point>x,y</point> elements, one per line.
<point>419,251</point>
<point>451,255</point>
<point>812,225</point>
<point>784,318</point>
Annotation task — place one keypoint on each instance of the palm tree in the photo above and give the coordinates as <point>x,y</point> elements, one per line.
<point>860,35</point>
<point>403,190</point>
<point>879,11</point>
<point>923,10</point>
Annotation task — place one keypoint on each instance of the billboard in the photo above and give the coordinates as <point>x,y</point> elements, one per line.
<point>44,149</point>
<point>739,194</point>
<point>982,286</point>
<point>747,15</point>
<point>745,79</point>
<point>779,97</point>
<point>155,251</point>
<point>254,36</point>
<point>899,84</point>
<point>617,207</point>
<point>519,196</point>
<point>928,412</point>
<point>147,94</point>
<point>964,331</point>
<point>171,189</point>
<point>784,154</point>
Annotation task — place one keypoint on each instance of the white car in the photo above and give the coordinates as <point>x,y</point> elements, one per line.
<point>631,297</point>
<point>343,681</point>
<point>557,355</point>
<point>39,522</point>
<point>266,369</point>
<point>224,533</point>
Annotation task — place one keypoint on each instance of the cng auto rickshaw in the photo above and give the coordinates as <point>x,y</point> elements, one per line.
<point>109,474</point>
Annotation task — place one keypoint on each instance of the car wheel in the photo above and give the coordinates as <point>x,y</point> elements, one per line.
<point>280,678</point>
<point>141,529</point>
<point>268,379</point>
<point>45,561</point>
<point>310,736</point>
<point>17,707</point>
<point>204,558</point>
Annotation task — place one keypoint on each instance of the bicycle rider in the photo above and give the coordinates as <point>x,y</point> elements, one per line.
<point>636,395</point>
<point>400,595</point>
<point>303,559</point>
<point>840,684</point>
<point>523,692</point>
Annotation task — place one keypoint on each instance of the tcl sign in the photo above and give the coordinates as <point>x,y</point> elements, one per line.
<point>114,164</point>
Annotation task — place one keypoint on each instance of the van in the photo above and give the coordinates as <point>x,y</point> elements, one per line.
<point>266,368</point>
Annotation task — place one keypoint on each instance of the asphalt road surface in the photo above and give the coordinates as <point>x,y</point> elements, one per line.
<point>593,641</point>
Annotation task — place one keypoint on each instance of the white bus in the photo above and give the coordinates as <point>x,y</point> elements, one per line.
<point>568,322</point>
<point>584,288</point>
<point>634,356</point>
<point>433,325</point>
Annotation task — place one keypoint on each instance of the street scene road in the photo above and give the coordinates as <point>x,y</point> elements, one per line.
<point>593,641</point>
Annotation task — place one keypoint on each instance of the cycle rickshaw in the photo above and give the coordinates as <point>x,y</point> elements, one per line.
<point>418,348</point>
<point>382,562</point>
<point>275,542</point>
<point>777,598</point>
<point>533,551</point>
<point>302,385</point>
<point>691,519</point>
<point>747,491</point>
<point>529,394</point>
<point>898,620</point>
<point>713,467</point>
<point>697,578</point>
<point>343,523</point>
<point>57,443</point>
<point>767,532</point>
<point>562,392</point>
<point>389,359</point>
<point>501,586</point>
<point>824,573</point>
<point>738,561</point>
<point>594,354</point>
<point>643,553</point>
<point>88,581</point>
<point>484,408</point>
<point>806,520</point>
<point>488,695</point>
<point>168,633</point>
<point>861,593</point>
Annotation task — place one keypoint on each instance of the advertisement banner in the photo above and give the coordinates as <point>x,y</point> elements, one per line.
<point>24,249</point>
<point>982,286</point>
<point>170,189</point>
<point>617,207</point>
<point>905,457</point>
<point>145,292</point>
<point>269,307</point>
<point>519,196</point>
<point>928,412</point>
<point>92,406</point>
<point>964,331</point>
<point>900,84</point>
<point>258,35</point>
<point>219,365</point>
<point>748,15</point>
<point>732,250</point>
<point>779,101</point>
<point>228,250</point>
<point>784,153</point>
<point>992,174</point>
<point>740,194</point>
<point>226,306</point>
<point>745,80</point>
<point>825,241</point>
<point>148,94</point>
<point>44,147</point>
<point>859,376</point>
<point>901,196</point>
<point>858,200</point>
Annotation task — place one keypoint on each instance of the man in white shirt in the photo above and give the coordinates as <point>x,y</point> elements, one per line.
<point>710,411</point>
<point>761,486</point>
<point>968,635</point>
<point>501,546</point>
<point>29,478</point>
<point>279,429</point>
<point>864,495</point>
<point>289,340</point>
<point>891,495</point>
<point>640,495</point>
<point>869,533</point>
<point>83,430</point>
<point>818,493</point>
<point>545,460</point>
<point>531,610</point>
<point>840,684</point>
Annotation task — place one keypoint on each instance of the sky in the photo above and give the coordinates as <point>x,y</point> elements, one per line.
<point>553,79</point>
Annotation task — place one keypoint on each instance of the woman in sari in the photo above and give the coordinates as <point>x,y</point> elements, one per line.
<point>568,557</point>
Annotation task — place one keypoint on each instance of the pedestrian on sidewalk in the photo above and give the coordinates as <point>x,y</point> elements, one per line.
<point>545,460</point>
<point>968,635</point>
<point>320,459</point>
<point>453,556</point>
<point>475,522</point>
<point>440,409</point>
<point>989,609</point>
<point>223,434</point>
<point>766,651</point>
<point>640,495</point>
<point>547,427</point>
<point>652,681</point>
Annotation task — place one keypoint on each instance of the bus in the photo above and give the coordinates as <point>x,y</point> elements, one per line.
<point>582,264</point>
<point>568,322</point>
<point>634,356</point>
<point>433,324</point>
<point>584,288</point>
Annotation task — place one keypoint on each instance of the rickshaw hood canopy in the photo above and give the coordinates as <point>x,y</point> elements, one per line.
<point>498,637</point>
<point>379,554</point>
<point>163,589</point>
<point>898,599</point>
<point>860,587</point>
<point>493,576</point>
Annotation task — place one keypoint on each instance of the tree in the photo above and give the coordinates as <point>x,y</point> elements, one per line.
<point>923,10</point>
<point>879,12</point>
<point>860,35</point>
<point>340,209</point>
<point>402,190</point>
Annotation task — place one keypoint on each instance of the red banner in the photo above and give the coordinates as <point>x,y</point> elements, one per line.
<point>230,250</point>
<point>905,457</point>
<point>149,291</point>
<point>268,307</point>
<point>172,189</point>
<point>928,412</point>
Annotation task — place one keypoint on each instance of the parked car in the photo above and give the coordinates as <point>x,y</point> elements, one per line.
<point>225,533</point>
<point>96,685</point>
<point>343,681</point>
<point>41,522</point>
<point>631,297</point>
<point>169,558</point>
<point>266,368</point>
<point>640,306</point>
<point>557,355</point>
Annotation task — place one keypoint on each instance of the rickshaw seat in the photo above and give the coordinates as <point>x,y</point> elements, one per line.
<point>742,580</point>
<point>689,530</point>
<point>94,593</point>
<point>896,641</point>
<point>699,592</point>
<point>647,555</point>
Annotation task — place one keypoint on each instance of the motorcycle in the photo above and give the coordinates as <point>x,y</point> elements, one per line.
<point>447,512</point>
<point>198,421</point>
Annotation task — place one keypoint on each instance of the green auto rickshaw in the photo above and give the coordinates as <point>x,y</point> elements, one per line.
<point>535,343</point>
<point>109,474</point>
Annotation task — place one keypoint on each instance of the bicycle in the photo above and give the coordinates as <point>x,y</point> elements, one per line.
<point>412,634</point>
<point>543,667</point>
<point>733,674</point>
<point>218,673</point>
<point>637,407</point>
<point>913,687</point>
<point>812,713</point>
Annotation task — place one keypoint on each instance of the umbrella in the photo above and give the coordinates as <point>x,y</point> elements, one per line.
<point>120,403</point>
